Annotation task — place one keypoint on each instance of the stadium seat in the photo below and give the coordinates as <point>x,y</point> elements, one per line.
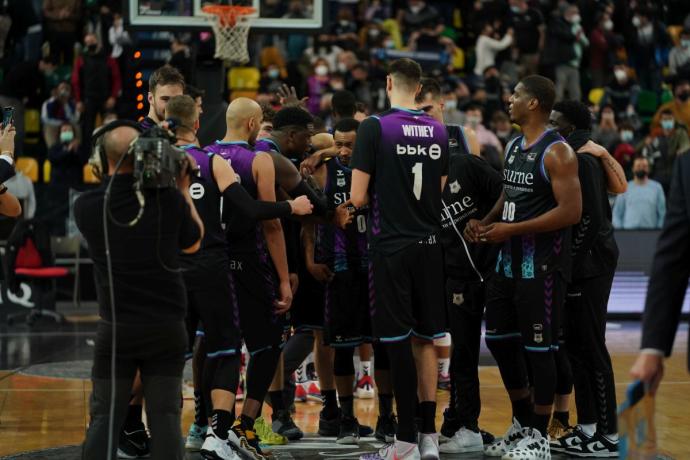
<point>89,176</point>
<point>243,82</point>
<point>458,59</point>
<point>32,121</point>
<point>595,95</point>
<point>29,167</point>
<point>47,167</point>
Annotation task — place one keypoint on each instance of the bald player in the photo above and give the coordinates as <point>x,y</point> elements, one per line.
<point>151,299</point>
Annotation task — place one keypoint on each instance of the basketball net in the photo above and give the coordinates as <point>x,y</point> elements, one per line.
<point>230,26</point>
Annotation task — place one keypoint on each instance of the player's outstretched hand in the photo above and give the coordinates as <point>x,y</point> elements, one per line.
<point>301,206</point>
<point>495,233</point>
<point>344,214</point>
<point>284,303</point>
<point>471,232</point>
<point>320,272</point>
<point>288,96</point>
<point>648,368</point>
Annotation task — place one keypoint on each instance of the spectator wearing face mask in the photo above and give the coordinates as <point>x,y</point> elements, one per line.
<point>60,108</point>
<point>679,57</point>
<point>317,84</point>
<point>529,27</point>
<point>504,129</point>
<point>624,151</point>
<point>621,92</point>
<point>66,173</point>
<point>271,80</point>
<point>605,132</point>
<point>663,146</point>
<point>344,30</point>
<point>451,111</point>
<point>679,106</point>
<point>643,205</point>
<point>487,47</point>
<point>565,44</point>
<point>323,48</point>
<point>601,42</point>
<point>473,119</point>
<point>648,37</point>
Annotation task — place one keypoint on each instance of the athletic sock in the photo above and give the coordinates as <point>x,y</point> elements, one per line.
<point>330,404</point>
<point>385,404</point>
<point>427,410</point>
<point>276,400</point>
<point>588,428</point>
<point>612,437</point>
<point>221,422</point>
<point>364,368</point>
<point>444,366</point>
<point>346,405</point>
<point>522,411</point>
<point>133,420</point>
<point>562,417</point>
<point>247,422</point>
<point>541,422</point>
<point>200,417</point>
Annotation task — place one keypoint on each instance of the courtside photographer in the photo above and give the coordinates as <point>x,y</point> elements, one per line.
<point>136,224</point>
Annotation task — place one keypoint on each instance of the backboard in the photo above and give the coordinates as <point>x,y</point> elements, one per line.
<point>271,15</point>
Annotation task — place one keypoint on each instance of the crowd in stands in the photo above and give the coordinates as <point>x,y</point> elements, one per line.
<point>629,59</point>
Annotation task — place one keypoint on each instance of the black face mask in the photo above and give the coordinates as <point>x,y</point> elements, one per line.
<point>684,96</point>
<point>640,174</point>
<point>91,49</point>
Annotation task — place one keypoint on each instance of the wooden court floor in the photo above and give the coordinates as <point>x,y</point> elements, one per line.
<point>42,412</point>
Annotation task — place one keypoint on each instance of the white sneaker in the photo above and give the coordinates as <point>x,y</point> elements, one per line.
<point>398,450</point>
<point>428,446</point>
<point>463,440</point>
<point>217,449</point>
<point>507,442</point>
<point>533,446</point>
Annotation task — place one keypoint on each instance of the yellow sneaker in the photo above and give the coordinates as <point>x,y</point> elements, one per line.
<point>266,434</point>
<point>557,430</point>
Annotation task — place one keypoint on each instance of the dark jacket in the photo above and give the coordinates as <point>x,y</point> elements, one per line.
<point>558,47</point>
<point>671,266</point>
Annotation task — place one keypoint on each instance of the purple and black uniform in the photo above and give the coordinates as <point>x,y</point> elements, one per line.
<point>406,154</point>
<point>210,287</point>
<point>255,276</point>
<point>526,295</point>
<point>346,311</point>
<point>147,123</point>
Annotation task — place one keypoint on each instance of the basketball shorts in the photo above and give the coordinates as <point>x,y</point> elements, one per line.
<point>307,306</point>
<point>257,288</point>
<point>407,292</point>
<point>346,311</point>
<point>528,308</point>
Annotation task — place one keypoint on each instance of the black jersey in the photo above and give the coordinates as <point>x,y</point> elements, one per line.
<point>471,191</point>
<point>342,249</point>
<point>457,142</point>
<point>147,123</point>
<point>529,194</point>
<point>406,154</point>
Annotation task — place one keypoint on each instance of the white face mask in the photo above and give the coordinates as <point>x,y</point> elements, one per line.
<point>416,8</point>
<point>575,19</point>
<point>621,75</point>
<point>608,25</point>
<point>321,70</point>
<point>473,120</point>
<point>342,67</point>
<point>451,104</point>
<point>636,21</point>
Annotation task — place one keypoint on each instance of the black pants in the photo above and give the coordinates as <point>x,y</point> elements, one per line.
<point>92,108</point>
<point>585,340</point>
<point>465,310</point>
<point>158,351</point>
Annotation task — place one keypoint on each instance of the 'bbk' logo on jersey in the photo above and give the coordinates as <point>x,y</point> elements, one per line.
<point>454,187</point>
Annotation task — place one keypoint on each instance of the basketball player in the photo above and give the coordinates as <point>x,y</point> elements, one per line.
<point>595,256</point>
<point>532,218</point>
<point>400,163</point>
<point>340,261</point>
<point>164,83</point>
<point>472,189</point>
<point>259,265</point>
<point>210,291</point>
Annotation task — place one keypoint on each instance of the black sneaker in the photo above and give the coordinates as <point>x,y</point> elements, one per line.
<point>365,431</point>
<point>598,446</point>
<point>450,425</point>
<point>349,431</point>
<point>573,439</point>
<point>329,426</point>
<point>487,438</point>
<point>386,426</point>
<point>245,441</point>
<point>283,424</point>
<point>134,444</point>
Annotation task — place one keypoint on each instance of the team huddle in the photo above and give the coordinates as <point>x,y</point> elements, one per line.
<point>394,231</point>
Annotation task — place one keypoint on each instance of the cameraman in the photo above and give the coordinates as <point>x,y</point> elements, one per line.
<point>149,293</point>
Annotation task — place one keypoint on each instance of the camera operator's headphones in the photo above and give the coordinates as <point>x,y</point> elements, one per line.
<point>99,158</point>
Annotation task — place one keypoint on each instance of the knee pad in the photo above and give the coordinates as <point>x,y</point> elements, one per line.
<point>543,366</point>
<point>226,375</point>
<point>444,341</point>
<point>343,364</point>
<point>511,362</point>
<point>564,373</point>
<point>382,362</point>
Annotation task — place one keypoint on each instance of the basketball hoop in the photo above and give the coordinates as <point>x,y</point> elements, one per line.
<point>230,25</point>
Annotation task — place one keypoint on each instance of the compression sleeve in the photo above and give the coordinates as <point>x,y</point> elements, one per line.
<point>245,207</point>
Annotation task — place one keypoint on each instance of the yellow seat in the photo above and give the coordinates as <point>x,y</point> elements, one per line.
<point>47,167</point>
<point>458,59</point>
<point>243,81</point>
<point>674,33</point>
<point>32,121</point>
<point>595,95</point>
<point>392,28</point>
<point>29,167</point>
<point>89,176</point>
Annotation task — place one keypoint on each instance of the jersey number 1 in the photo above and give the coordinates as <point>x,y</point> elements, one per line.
<point>417,185</point>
